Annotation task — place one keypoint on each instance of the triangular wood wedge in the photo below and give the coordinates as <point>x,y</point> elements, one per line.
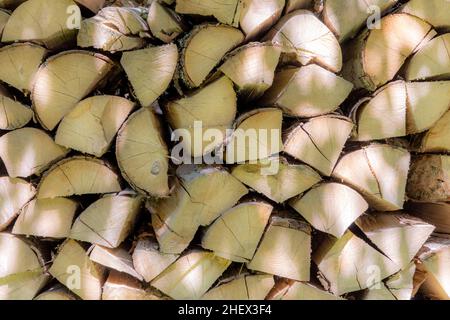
<point>247,287</point>
<point>142,153</point>
<point>307,92</point>
<point>398,235</point>
<point>235,235</point>
<point>107,221</point>
<point>63,80</point>
<point>349,264</point>
<point>49,218</point>
<point>29,151</point>
<point>379,172</point>
<point>20,62</point>
<point>159,64</point>
<point>437,139</point>
<point>435,213</point>
<point>203,49</point>
<point>257,16</point>
<point>56,293</point>
<point>93,5</point>
<point>433,11</point>
<point>376,55</point>
<point>285,250</point>
<point>78,176</point>
<point>164,23</point>
<point>92,125</point>
<point>319,142</point>
<point>191,275</point>
<point>14,194</point>
<point>316,44</point>
<point>292,5</point>
<point>73,268</point>
<point>14,115</point>
<point>4,17</point>
<point>193,203</point>
<point>330,207</point>
<point>225,11</point>
<point>300,291</point>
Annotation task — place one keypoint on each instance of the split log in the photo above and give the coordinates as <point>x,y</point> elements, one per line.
<point>63,80</point>
<point>73,268</point>
<point>379,172</point>
<point>399,236</point>
<point>113,29</point>
<point>246,287</point>
<point>225,11</point>
<point>148,261</point>
<point>251,68</point>
<point>376,55</point>
<point>288,181</point>
<point>14,194</point>
<point>432,11</point>
<point>236,234</point>
<point>4,17</point>
<point>316,44</point>
<point>118,259</point>
<point>191,275</point>
<point>285,250</point>
<point>432,61</point>
<point>346,18</point>
<point>77,176</point>
<point>257,136</point>
<point>57,292</point>
<point>349,264</point>
<point>142,154</point>
<point>20,281</point>
<point>437,139</point>
<point>257,16</point>
<point>93,123</point>
<point>212,107</point>
<point>319,148</point>
<point>435,213</point>
<point>93,5</point>
<point>307,91</point>
<point>300,291</point>
<point>435,261</point>
<point>14,114</point>
<point>31,22</point>
<point>159,64</point>
<point>429,178</point>
<point>22,153</point>
<point>330,208</point>
<point>49,218</point>
<point>292,5</point>
<point>107,221</point>
<point>164,23</point>
<point>20,62</point>
<point>203,49</point>
<point>194,203</point>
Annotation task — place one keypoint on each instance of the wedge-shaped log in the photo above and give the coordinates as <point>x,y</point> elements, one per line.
<point>292,5</point>
<point>257,16</point>
<point>376,55</point>
<point>307,91</point>
<point>251,68</point>
<point>15,115</point>
<point>92,125</point>
<point>164,23</point>
<point>193,203</point>
<point>379,172</point>
<point>435,213</point>
<point>14,194</point>
<point>432,11</point>
<point>4,17</point>
<point>120,286</point>
<point>348,264</point>
<point>191,275</point>
<point>236,234</point>
<point>142,154</point>
<point>432,61</point>
<point>316,44</point>
<point>20,62</point>
<point>316,146</point>
<point>44,22</point>
<point>72,259</point>
<point>276,178</point>
<point>429,178</point>
<point>437,139</point>
<point>285,250</point>
<point>203,49</point>
<point>225,11</point>
<point>56,293</point>
<point>63,80</point>
<point>212,107</point>
<point>247,287</point>
<point>78,176</point>
<point>399,236</point>
<point>107,221</point>
<point>29,151</point>
<point>294,290</point>
<point>93,5</point>
<point>330,207</point>
<point>159,64</point>
<point>49,218</point>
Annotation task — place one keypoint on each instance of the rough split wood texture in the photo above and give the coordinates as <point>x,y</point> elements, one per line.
<point>224,149</point>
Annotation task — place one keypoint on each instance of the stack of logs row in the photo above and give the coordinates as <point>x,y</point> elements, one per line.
<point>106,191</point>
